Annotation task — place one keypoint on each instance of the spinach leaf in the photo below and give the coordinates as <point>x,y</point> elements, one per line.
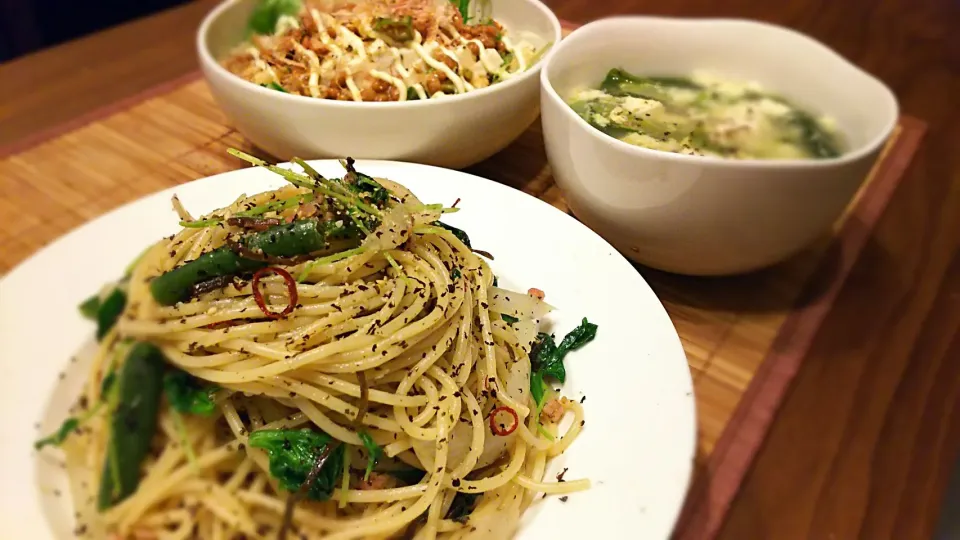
<point>293,454</point>
<point>455,274</point>
<point>109,311</point>
<point>462,506</point>
<point>818,142</point>
<point>547,357</point>
<point>459,233</point>
<point>373,453</point>
<point>509,319</point>
<point>620,83</point>
<point>187,394</point>
<point>364,185</point>
<point>396,29</point>
<point>412,94</point>
<point>265,15</point>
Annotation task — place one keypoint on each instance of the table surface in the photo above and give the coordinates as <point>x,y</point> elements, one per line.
<point>865,442</point>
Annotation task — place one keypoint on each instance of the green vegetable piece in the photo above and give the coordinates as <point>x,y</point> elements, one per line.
<point>459,233</point>
<point>293,454</point>
<point>90,307</point>
<point>408,475</point>
<point>107,383</point>
<point>495,281</point>
<point>187,394</point>
<point>509,319</point>
<point>620,83</point>
<point>274,86</point>
<point>373,453</point>
<point>365,186</point>
<point>200,223</point>
<point>56,439</point>
<point>412,94</point>
<point>547,357</point>
<point>109,311</point>
<point>265,15</point>
<point>463,6</point>
<point>461,507</point>
<point>396,29</point>
<point>538,388</point>
<point>455,274</point>
<point>174,286</point>
<point>288,239</point>
<point>133,424</point>
<point>817,141</point>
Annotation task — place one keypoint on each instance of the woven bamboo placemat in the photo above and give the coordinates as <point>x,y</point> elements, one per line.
<point>745,337</point>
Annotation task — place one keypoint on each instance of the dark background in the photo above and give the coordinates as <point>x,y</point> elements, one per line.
<point>29,25</point>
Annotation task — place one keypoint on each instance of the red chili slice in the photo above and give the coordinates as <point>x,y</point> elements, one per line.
<point>496,429</point>
<point>261,301</point>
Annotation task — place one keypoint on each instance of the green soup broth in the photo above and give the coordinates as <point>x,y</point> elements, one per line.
<point>705,116</point>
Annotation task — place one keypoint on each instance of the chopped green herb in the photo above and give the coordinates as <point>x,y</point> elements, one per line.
<point>200,223</point>
<point>187,394</point>
<point>412,94</point>
<point>274,86</point>
<point>455,274</point>
<point>293,454</point>
<point>373,453</point>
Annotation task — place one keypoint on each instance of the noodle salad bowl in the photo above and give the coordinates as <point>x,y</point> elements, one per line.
<point>319,81</point>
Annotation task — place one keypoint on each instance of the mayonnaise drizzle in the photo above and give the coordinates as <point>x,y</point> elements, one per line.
<point>348,53</point>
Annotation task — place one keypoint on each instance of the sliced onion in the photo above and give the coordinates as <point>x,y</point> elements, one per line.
<point>517,304</point>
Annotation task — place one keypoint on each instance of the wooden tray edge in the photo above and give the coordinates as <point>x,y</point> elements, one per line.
<point>714,489</point>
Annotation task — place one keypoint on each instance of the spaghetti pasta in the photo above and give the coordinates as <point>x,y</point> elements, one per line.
<point>399,368</point>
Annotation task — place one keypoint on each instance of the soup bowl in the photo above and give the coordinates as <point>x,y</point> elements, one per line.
<point>705,215</point>
<point>453,131</point>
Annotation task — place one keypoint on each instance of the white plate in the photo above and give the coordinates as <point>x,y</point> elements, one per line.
<point>638,443</point>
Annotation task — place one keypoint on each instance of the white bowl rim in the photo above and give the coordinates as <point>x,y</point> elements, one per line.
<point>844,158</point>
<point>207,59</point>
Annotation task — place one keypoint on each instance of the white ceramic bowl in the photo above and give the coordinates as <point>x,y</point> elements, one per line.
<point>704,215</point>
<point>453,132</point>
